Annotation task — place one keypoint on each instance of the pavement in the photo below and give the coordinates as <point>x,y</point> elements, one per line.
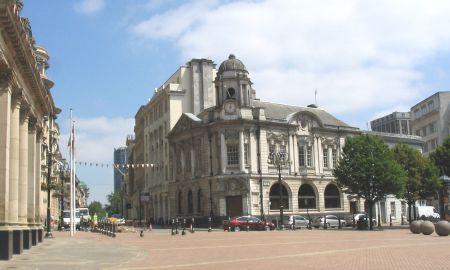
<point>300,249</point>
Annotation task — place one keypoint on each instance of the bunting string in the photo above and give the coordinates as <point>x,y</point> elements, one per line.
<point>118,165</point>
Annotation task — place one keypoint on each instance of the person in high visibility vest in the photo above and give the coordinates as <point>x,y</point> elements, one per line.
<point>94,220</point>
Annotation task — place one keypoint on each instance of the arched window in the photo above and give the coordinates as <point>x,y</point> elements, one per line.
<point>190,202</point>
<point>274,197</point>
<point>199,201</point>
<point>180,197</point>
<point>306,197</point>
<point>332,197</point>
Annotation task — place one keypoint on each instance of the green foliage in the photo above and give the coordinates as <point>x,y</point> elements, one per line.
<point>441,157</point>
<point>368,170</point>
<point>97,208</point>
<point>115,202</point>
<point>422,176</point>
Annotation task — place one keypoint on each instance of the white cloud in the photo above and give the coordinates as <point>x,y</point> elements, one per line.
<point>360,55</point>
<point>89,6</point>
<point>96,138</point>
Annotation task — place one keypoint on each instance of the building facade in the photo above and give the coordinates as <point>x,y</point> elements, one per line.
<point>28,133</point>
<point>223,160</point>
<point>120,157</point>
<point>430,119</point>
<point>189,89</point>
<point>396,122</point>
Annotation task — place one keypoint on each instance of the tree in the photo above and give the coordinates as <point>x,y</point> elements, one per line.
<point>96,207</point>
<point>422,176</point>
<point>441,157</point>
<point>368,170</point>
<point>114,200</point>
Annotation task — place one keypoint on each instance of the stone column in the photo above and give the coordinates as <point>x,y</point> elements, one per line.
<point>37,190</point>
<point>5,123</point>
<point>14,174</point>
<point>23,166</point>
<point>223,152</point>
<point>14,161</point>
<point>192,161</point>
<point>31,171</point>
<point>295,151</point>
<point>253,153</point>
<point>241,151</point>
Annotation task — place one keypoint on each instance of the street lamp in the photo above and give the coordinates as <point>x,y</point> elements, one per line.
<point>279,160</point>
<point>48,148</point>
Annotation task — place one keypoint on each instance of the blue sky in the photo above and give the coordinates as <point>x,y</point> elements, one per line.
<point>365,58</point>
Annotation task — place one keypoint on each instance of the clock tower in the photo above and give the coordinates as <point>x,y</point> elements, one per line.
<point>233,87</point>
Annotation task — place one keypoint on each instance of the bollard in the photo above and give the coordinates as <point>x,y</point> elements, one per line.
<point>353,225</point>
<point>192,225</point>
<point>339,220</point>
<point>114,230</point>
<point>402,220</point>
<point>176,225</point>
<point>390,220</point>
<point>142,233</point>
<point>309,224</point>
<point>150,227</point>
<point>293,223</point>
<point>325,222</point>
<point>173,227</point>
<point>184,227</point>
<point>248,227</point>
<point>209,224</point>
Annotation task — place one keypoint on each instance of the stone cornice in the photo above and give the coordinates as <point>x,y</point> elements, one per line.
<point>18,38</point>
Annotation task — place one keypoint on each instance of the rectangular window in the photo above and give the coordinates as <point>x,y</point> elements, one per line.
<point>417,132</point>
<point>416,113</point>
<point>271,153</point>
<point>404,124</point>
<point>308,156</point>
<point>333,156</point>
<point>325,158</point>
<point>432,128</point>
<point>233,154</point>
<point>430,105</point>
<point>301,155</point>
<point>393,214</point>
<point>283,155</point>
<point>246,153</point>
<point>424,131</point>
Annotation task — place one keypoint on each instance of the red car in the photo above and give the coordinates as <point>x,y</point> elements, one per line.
<point>240,223</point>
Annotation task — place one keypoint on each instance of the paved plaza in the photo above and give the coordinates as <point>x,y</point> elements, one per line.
<point>301,249</point>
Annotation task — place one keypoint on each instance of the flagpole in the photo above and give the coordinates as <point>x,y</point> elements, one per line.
<point>71,175</point>
<point>74,177</point>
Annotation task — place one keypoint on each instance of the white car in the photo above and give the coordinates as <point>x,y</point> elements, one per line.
<point>300,221</point>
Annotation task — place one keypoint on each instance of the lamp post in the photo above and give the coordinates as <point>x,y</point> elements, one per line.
<point>48,148</point>
<point>62,171</point>
<point>279,160</point>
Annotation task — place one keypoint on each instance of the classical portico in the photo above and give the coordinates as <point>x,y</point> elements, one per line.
<point>25,103</point>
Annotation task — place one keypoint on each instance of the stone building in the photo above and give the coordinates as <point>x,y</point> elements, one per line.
<point>430,119</point>
<point>396,122</point>
<point>223,159</point>
<point>28,133</point>
<point>189,89</point>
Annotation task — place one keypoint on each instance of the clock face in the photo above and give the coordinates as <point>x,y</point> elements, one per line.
<point>230,107</point>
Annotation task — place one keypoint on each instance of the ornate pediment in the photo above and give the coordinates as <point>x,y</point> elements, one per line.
<point>186,122</point>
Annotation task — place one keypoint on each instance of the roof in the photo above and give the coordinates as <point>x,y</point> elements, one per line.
<point>274,111</point>
<point>232,63</point>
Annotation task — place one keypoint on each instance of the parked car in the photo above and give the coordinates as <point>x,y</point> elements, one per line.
<point>332,222</point>
<point>349,219</point>
<point>240,223</point>
<point>361,222</point>
<point>300,221</point>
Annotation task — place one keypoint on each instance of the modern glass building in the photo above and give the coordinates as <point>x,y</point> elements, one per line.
<point>120,157</point>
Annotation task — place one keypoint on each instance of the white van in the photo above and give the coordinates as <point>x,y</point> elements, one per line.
<point>427,212</point>
<point>66,219</point>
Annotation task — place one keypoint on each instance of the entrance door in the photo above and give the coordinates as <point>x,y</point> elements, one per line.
<point>383,212</point>
<point>234,206</point>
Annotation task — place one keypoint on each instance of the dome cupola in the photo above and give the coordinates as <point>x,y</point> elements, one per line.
<point>232,64</point>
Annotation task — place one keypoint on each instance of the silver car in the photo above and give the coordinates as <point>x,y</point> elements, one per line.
<point>332,222</point>
<point>300,221</point>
